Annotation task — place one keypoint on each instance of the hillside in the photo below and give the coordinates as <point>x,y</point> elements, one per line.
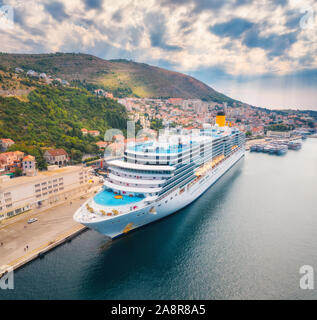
<point>122,77</point>
<point>53,116</point>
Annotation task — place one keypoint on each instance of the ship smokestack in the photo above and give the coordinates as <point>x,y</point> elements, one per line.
<point>221,118</point>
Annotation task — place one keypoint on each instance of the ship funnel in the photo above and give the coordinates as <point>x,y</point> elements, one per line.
<point>221,119</point>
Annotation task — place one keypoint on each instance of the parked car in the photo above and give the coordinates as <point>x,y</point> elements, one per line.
<point>32,220</point>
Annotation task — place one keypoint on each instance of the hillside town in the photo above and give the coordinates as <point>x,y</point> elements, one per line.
<point>161,113</point>
<point>255,122</point>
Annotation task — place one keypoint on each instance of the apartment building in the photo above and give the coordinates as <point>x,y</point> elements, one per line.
<point>44,189</point>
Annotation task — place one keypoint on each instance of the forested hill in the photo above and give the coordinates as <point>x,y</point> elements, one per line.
<point>122,77</point>
<point>53,116</point>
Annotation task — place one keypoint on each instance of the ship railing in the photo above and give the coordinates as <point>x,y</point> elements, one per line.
<point>97,211</point>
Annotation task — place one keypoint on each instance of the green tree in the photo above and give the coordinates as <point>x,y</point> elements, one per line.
<point>18,172</point>
<point>156,124</point>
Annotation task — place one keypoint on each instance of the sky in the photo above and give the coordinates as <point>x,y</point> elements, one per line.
<point>262,52</point>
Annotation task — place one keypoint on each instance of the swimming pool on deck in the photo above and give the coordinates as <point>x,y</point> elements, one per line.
<point>109,198</point>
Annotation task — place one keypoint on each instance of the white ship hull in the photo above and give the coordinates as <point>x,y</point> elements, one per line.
<point>171,203</point>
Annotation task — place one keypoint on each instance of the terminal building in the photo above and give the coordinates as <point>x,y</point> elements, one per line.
<point>278,134</point>
<point>42,190</point>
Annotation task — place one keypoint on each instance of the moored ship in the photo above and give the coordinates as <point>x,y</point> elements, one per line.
<point>294,145</point>
<point>157,178</point>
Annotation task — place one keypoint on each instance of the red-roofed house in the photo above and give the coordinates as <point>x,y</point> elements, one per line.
<point>84,131</point>
<point>174,100</point>
<point>94,133</point>
<point>257,131</point>
<point>56,156</point>
<point>109,95</point>
<point>10,160</point>
<point>5,144</point>
<point>101,144</point>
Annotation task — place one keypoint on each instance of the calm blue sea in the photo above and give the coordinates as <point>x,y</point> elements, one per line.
<point>245,238</point>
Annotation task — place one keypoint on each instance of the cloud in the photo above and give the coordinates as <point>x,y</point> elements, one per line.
<point>292,19</point>
<point>281,2</point>
<point>238,37</point>
<point>157,31</point>
<point>198,5</point>
<point>275,44</point>
<point>93,4</point>
<point>233,28</point>
<point>56,10</point>
<point>117,16</point>
<point>250,35</point>
<point>135,35</point>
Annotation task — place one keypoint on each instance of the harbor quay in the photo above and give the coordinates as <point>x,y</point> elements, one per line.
<point>21,241</point>
<point>267,141</point>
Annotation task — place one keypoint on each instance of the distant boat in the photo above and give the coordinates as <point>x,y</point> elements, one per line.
<point>254,148</point>
<point>281,150</point>
<point>272,150</point>
<point>293,145</point>
<point>267,149</point>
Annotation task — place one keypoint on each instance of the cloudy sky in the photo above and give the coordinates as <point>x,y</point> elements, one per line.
<point>262,52</point>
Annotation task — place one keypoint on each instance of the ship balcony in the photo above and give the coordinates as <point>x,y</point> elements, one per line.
<point>143,167</point>
<point>130,189</point>
<point>137,182</point>
<point>142,175</point>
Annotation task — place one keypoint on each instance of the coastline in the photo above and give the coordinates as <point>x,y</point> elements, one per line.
<point>55,226</point>
<point>37,253</point>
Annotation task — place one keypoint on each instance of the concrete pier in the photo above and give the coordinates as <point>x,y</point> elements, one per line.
<point>21,242</point>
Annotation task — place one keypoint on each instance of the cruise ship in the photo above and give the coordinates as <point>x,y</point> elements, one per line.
<point>156,178</point>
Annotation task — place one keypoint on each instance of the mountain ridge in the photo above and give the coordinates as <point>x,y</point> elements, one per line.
<point>116,75</point>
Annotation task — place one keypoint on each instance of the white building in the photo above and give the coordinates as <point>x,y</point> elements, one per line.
<point>44,189</point>
<point>29,165</point>
<point>43,75</point>
<point>32,73</point>
<point>278,134</point>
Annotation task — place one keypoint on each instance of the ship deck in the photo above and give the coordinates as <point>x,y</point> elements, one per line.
<point>109,198</point>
